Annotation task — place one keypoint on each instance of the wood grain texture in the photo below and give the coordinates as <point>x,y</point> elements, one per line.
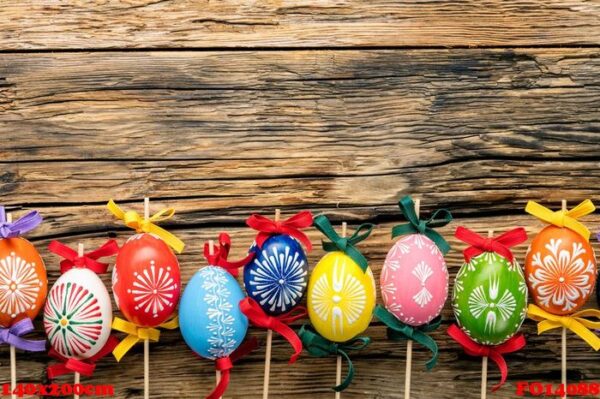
<point>280,107</point>
<point>52,25</point>
<point>285,120</point>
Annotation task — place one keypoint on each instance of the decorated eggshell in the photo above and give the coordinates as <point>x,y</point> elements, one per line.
<point>490,298</point>
<point>78,314</point>
<point>340,297</point>
<point>560,267</point>
<point>23,281</point>
<point>146,281</point>
<point>277,276</point>
<point>414,280</point>
<point>210,318</point>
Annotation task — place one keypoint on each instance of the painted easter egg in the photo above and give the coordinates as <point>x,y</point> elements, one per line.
<point>210,318</point>
<point>78,314</point>
<point>340,298</point>
<point>560,267</point>
<point>23,281</point>
<point>490,298</point>
<point>414,280</point>
<point>277,276</point>
<point>146,280</point>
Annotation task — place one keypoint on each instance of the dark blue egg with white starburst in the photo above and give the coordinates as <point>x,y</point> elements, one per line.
<point>277,276</point>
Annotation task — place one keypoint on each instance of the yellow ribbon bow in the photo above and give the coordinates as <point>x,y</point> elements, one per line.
<point>141,225</point>
<point>574,322</point>
<point>136,334</point>
<point>564,218</point>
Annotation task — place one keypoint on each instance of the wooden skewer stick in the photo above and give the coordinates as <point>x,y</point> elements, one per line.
<point>146,341</point>
<point>484,367</point>
<point>563,346</point>
<point>13,352</point>
<point>267,376</point>
<point>409,342</point>
<point>484,360</point>
<point>338,368</point>
<point>77,377</point>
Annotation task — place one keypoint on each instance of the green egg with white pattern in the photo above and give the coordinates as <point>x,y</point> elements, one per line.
<point>490,298</point>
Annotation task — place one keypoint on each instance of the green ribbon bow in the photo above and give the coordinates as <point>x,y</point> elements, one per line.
<point>398,331</point>
<point>416,225</point>
<point>344,244</point>
<point>318,346</point>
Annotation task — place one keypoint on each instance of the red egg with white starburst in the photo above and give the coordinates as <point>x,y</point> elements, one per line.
<point>146,281</point>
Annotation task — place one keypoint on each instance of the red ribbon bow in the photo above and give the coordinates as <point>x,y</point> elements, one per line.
<point>259,318</point>
<point>500,244</point>
<point>88,260</point>
<point>267,227</point>
<point>495,353</point>
<point>220,253</point>
<point>225,364</point>
<point>84,367</point>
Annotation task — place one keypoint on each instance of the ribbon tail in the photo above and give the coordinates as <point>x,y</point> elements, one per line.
<point>124,346</point>
<point>28,345</point>
<point>430,344</point>
<point>589,337</point>
<point>440,241</point>
<point>547,325</point>
<point>27,223</point>
<point>349,374</point>
<point>471,252</point>
<point>171,324</point>
<point>56,370</point>
<point>221,387</point>
<point>81,367</point>
<point>291,337</point>
<point>399,331</point>
<point>402,229</point>
<point>359,258</point>
<point>244,349</point>
<point>170,238</point>
<point>108,347</point>
<point>501,363</point>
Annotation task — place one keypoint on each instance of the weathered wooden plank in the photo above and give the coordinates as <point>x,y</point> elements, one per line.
<point>376,376</point>
<point>204,194</point>
<point>375,110</point>
<point>184,24</point>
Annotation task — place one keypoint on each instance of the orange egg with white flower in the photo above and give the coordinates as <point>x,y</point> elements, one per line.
<point>560,268</point>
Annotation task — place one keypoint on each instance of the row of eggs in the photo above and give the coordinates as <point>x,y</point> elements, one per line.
<point>489,297</point>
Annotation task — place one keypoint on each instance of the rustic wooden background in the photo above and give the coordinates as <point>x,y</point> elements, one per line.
<point>225,108</point>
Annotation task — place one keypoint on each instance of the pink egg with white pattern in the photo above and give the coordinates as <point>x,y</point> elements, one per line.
<point>414,280</point>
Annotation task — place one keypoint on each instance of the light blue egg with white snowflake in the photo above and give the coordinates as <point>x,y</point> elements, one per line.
<point>278,275</point>
<point>210,318</point>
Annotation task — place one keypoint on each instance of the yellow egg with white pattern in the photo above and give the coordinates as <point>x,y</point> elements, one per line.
<point>340,297</point>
